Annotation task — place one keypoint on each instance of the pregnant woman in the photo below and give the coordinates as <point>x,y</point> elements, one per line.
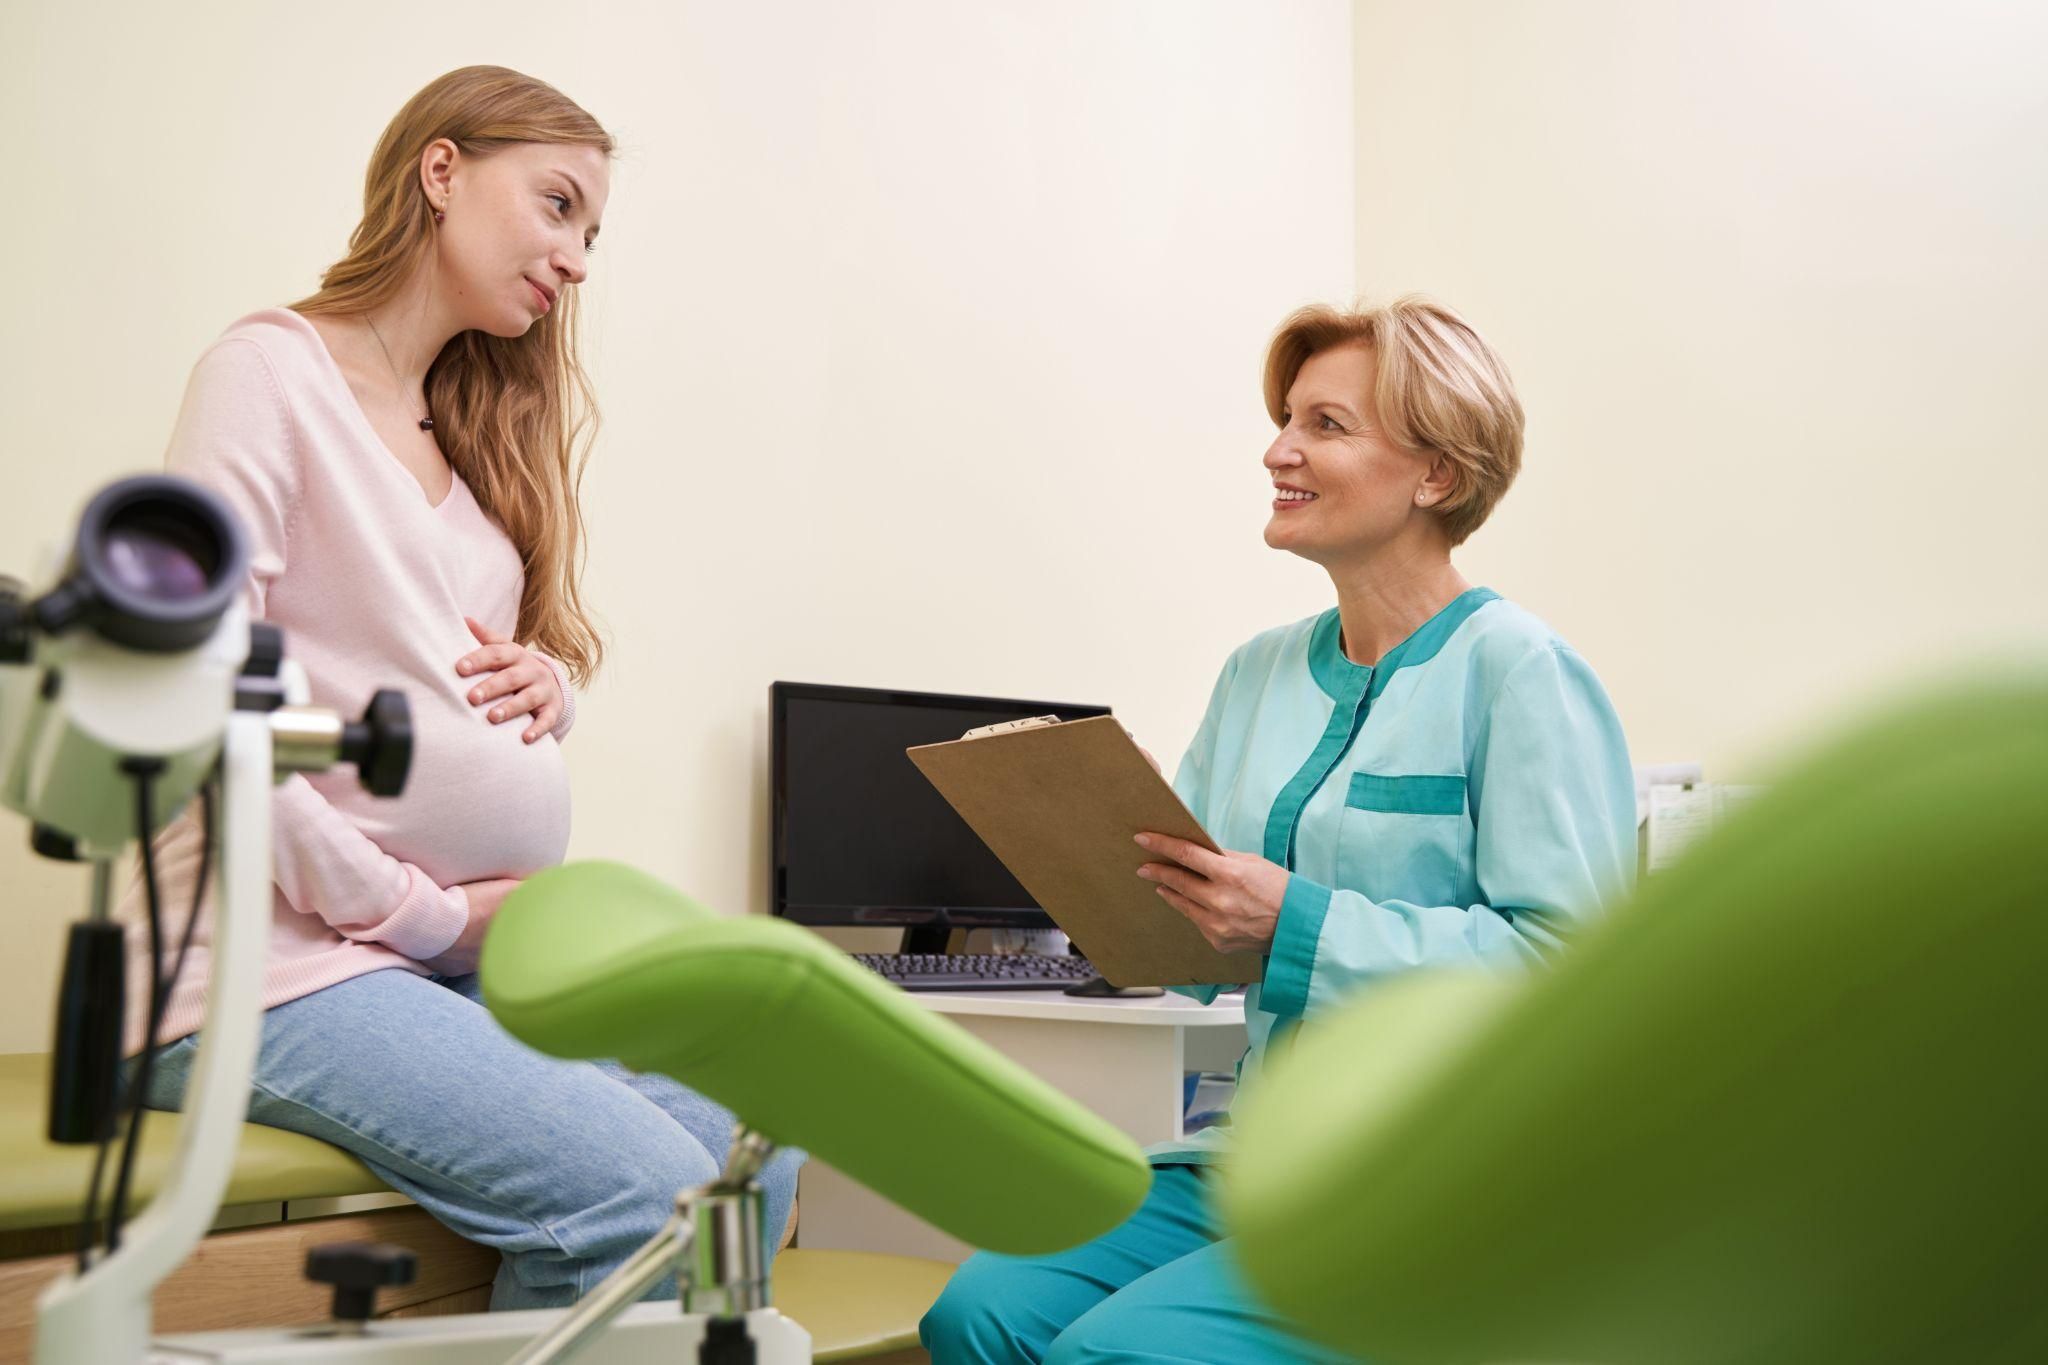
<point>403,451</point>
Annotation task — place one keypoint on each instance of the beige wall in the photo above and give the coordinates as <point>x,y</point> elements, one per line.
<point>1772,279</point>
<point>927,336</point>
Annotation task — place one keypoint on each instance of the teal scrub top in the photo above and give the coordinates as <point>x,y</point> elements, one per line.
<point>1467,800</point>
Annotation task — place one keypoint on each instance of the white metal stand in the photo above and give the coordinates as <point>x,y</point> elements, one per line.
<point>103,1316</point>
<point>645,1334</point>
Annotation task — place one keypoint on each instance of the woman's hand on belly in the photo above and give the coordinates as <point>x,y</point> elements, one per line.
<point>527,686</point>
<point>1233,898</point>
<point>484,899</point>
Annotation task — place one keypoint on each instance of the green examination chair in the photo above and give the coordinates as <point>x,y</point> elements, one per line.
<point>1789,1106</point>
<point>808,1049</point>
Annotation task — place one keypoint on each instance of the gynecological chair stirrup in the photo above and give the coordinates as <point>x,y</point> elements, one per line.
<point>712,1244</point>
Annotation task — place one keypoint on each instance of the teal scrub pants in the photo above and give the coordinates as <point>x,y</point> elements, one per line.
<point>1161,1287</point>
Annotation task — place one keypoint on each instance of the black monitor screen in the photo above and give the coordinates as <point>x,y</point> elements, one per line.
<point>860,837</point>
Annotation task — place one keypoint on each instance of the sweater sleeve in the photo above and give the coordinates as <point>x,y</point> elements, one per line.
<point>235,436</point>
<point>1554,801</point>
<point>561,671</point>
<point>327,867</point>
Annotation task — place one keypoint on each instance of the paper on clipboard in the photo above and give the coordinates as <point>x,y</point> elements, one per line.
<point>1058,803</point>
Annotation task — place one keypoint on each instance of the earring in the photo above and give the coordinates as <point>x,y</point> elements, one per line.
<point>438,215</point>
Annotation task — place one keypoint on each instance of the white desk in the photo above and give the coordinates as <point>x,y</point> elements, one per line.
<point>1122,1058</point>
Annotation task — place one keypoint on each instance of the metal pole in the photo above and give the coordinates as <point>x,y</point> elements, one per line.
<point>661,1255</point>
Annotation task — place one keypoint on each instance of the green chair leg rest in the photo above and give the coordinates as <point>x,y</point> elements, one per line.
<point>810,1049</point>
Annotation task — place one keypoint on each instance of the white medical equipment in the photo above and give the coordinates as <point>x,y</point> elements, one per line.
<point>137,675</point>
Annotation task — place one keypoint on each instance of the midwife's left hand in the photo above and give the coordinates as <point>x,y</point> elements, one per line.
<point>1233,898</point>
<point>526,684</point>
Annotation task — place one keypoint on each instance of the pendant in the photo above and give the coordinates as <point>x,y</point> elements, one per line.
<point>426,424</point>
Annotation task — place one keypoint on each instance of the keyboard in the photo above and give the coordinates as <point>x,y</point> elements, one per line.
<point>977,971</point>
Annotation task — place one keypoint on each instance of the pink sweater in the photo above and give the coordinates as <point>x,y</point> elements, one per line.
<point>369,583</point>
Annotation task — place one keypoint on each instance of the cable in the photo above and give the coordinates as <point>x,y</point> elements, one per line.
<point>88,1223</point>
<point>160,989</point>
<point>144,771</point>
<point>160,985</point>
<point>206,813</point>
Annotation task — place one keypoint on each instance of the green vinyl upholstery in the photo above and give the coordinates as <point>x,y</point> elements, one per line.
<point>855,1304</point>
<point>1787,1105</point>
<point>596,959</point>
<point>42,1184</point>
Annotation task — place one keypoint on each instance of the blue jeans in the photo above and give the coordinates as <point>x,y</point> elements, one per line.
<point>1164,1286</point>
<point>564,1167</point>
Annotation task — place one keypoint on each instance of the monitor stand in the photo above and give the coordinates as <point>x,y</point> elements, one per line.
<point>926,938</point>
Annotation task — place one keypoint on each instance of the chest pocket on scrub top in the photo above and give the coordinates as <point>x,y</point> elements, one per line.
<point>1405,837</point>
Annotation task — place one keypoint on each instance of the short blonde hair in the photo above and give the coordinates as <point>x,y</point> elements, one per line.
<point>1440,390</point>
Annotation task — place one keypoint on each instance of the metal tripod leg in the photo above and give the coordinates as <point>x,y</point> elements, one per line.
<point>712,1243</point>
<point>660,1255</point>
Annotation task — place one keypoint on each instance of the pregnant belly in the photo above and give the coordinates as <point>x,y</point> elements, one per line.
<point>478,803</point>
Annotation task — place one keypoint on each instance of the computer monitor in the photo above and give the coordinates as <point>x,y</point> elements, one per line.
<point>860,837</point>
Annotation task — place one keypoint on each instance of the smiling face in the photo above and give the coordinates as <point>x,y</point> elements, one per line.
<point>518,228</point>
<point>1342,490</point>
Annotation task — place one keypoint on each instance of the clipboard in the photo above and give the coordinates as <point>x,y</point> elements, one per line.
<point>1058,802</point>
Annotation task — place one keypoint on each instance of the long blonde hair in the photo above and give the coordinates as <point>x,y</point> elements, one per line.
<point>515,416</point>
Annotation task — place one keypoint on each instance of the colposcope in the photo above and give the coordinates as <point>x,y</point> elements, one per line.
<point>131,682</point>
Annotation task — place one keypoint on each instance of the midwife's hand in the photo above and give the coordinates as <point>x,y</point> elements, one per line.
<point>526,685</point>
<point>484,899</point>
<point>1233,898</point>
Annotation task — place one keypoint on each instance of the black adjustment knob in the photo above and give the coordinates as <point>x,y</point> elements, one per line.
<point>266,651</point>
<point>62,607</point>
<point>85,1067</point>
<point>726,1342</point>
<point>380,744</point>
<point>53,843</point>
<point>17,623</point>
<point>357,1270</point>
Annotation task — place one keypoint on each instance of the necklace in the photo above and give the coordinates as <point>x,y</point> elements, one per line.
<point>426,422</point>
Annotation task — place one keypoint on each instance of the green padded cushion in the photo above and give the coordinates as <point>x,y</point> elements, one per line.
<point>42,1184</point>
<point>599,960</point>
<point>857,1303</point>
<point>1786,1106</point>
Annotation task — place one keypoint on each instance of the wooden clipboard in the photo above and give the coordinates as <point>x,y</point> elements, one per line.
<point>1058,803</point>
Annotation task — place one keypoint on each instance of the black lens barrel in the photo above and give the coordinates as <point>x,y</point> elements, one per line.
<point>188,527</point>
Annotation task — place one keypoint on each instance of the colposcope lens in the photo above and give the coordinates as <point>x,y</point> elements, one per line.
<point>150,564</point>
<point>158,563</point>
